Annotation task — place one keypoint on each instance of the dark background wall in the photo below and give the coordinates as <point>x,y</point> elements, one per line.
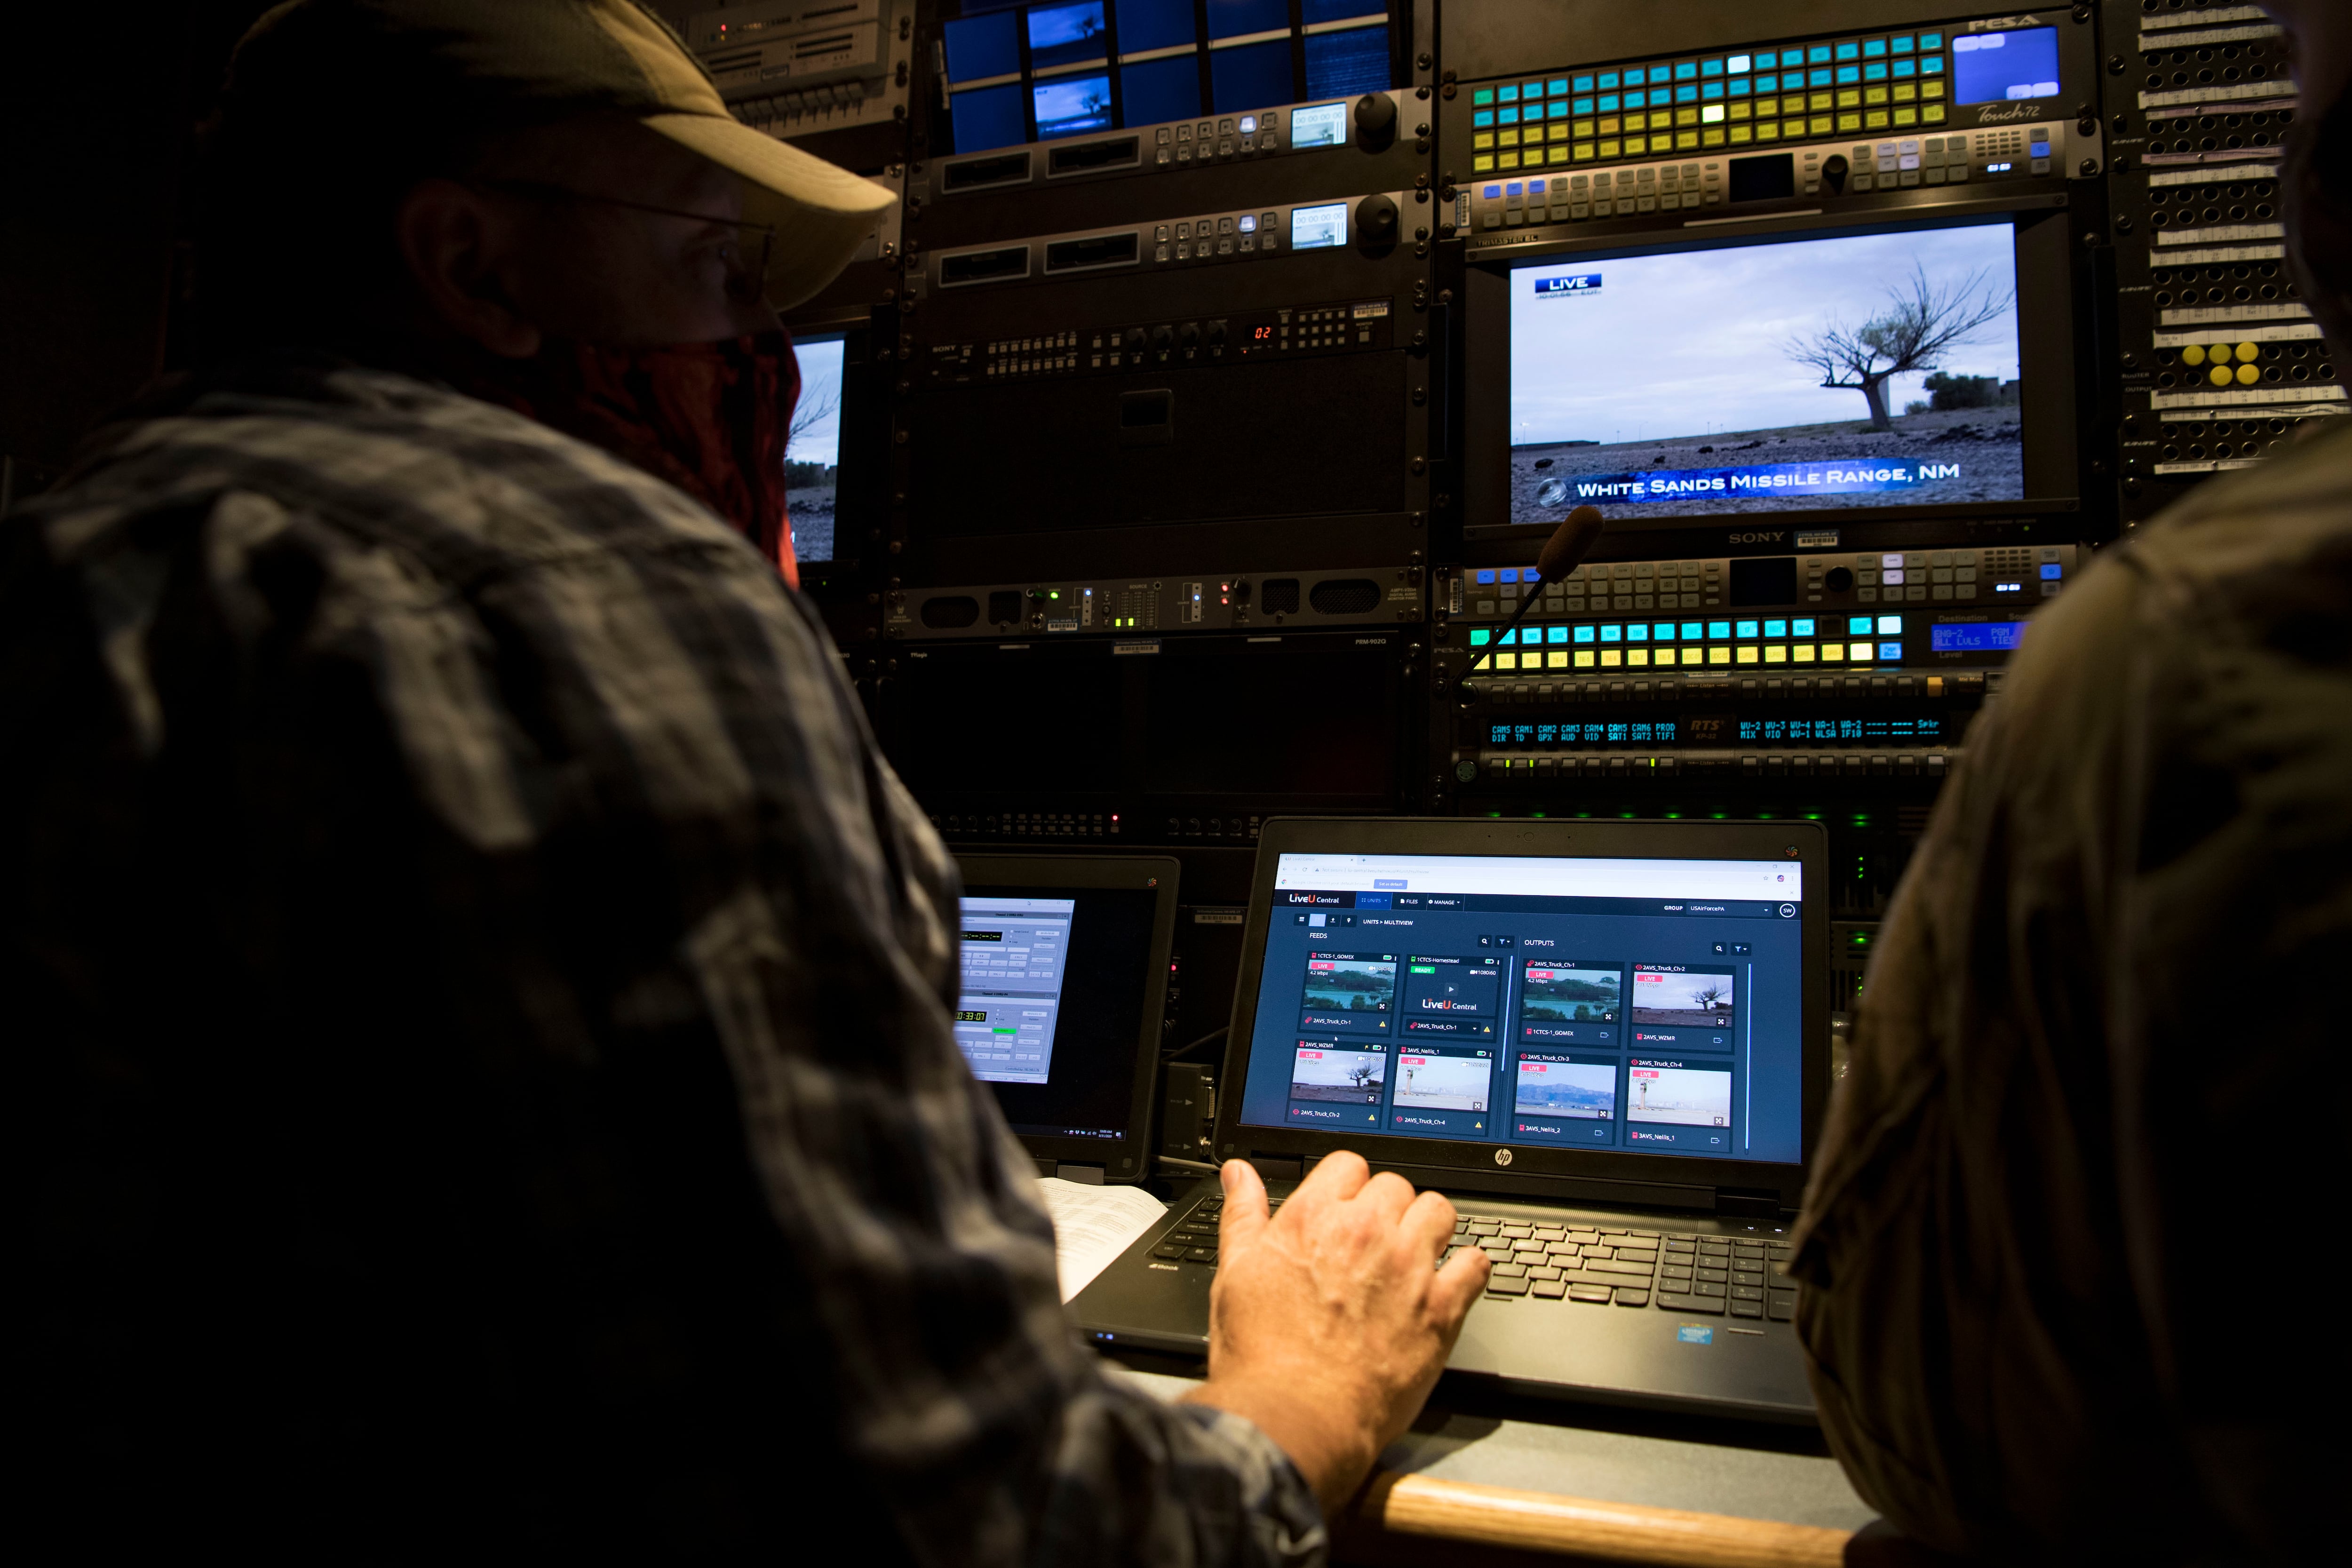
<point>98,114</point>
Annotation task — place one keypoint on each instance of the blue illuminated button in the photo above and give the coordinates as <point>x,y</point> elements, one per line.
<point>1686,95</point>
<point>1583,106</point>
<point>1930,63</point>
<point>1584,634</point>
<point>1638,632</point>
<point>1612,634</point>
<point>1748,628</point>
<point>1508,94</point>
<point>1559,86</point>
<point>1875,71</point>
<point>1582,84</point>
<point>1890,626</point>
<point>1776,629</point>
<point>1849,51</point>
<point>1858,626</point>
<point>1872,47</point>
<point>1710,68</point>
<point>1510,573</point>
<point>1609,79</point>
<point>1486,576</point>
<point>1906,68</point>
<point>1930,41</point>
<point>2050,570</point>
<point>1718,629</point>
<point>1493,194</point>
<point>1686,70</point>
<point>1849,74</point>
<point>1890,651</point>
<point>1765,60</point>
<point>1817,54</point>
<point>1556,634</point>
<point>1741,85</point>
<point>1535,187</point>
<point>1482,117</point>
<point>1690,631</point>
<point>1903,45</point>
<point>1819,79</point>
<point>1508,116</point>
<point>1802,628</point>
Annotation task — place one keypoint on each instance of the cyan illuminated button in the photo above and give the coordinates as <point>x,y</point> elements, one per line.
<point>1929,65</point>
<point>1719,629</point>
<point>1779,629</point>
<point>1748,628</point>
<point>1584,634</point>
<point>1556,634</point>
<point>1686,71</point>
<point>1872,47</point>
<point>1890,626</point>
<point>1858,626</point>
<point>1559,86</point>
<point>1612,634</point>
<point>1930,41</point>
<point>1508,95</point>
<point>1902,45</point>
<point>1640,632</point>
<point>1849,51</point>
<point>1818,55</point>
<point>1690,631</point>
<point>1801,628</point>
<point>1582,84</point>
<point>1482,117</point>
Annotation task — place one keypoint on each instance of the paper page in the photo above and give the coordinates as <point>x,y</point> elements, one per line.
<point>1094,1225</point>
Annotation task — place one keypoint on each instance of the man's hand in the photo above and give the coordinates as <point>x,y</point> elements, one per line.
<point>1330,1322</point>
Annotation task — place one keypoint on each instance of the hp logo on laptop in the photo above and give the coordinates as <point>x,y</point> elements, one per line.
<point>1502,1156</point>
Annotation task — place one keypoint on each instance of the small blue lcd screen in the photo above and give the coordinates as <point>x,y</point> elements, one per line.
<point>2012,67</point>
<point>1976,636</point>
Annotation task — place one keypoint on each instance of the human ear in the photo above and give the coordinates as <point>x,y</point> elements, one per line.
<point>455,244</point>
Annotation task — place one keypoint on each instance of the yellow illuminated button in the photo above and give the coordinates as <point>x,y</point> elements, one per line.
<point>1874,95</point>
<point>1742,133</point>
<point>1719,656</point>
<point>1803,653</point>
<point>1609,148</point>
<point>1906,117</point>
<point>1749,653</point>
<point>1584,660</point>
<point>2219,375</point>
<point>1583,150</point>
<point>1557,660</point>
<point>1905,92</point>
<point>1850,98</point>
<point>1507,661</point>
<point>1481,162</point>
<point>1832,652</point>
<point>2250,352</point>
<point>1768,131</point>
<point>2247,375</point>
<point>1611,658</point>
<point>2193,354</point>
<point>1482,138</point>
<point>1665,655</point>
<point>1635,146</point>
<point>1858,652</point>
<point>1584,128</point>
<point>1932,88</point>
<point>1507,160</point>
<point>1776,654</point>
<point>1686,117</point>
<point>1933,114</point>
<point>1637,656</point>
<point>1875,120</point>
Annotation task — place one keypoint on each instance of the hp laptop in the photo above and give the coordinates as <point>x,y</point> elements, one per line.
<point>1606,1042</point>
<point>1064,981</point>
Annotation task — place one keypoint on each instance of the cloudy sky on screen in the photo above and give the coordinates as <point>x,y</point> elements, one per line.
<point>1694,344</point>
<point>820,378</point>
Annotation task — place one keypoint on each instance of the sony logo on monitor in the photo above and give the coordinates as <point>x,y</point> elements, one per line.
<point>1757,538</point>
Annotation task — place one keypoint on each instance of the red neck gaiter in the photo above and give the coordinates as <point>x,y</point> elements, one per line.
<point>711,418</point>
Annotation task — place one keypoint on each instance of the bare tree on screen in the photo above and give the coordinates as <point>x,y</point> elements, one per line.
<point>1922,322</point>
<point>814,407</point>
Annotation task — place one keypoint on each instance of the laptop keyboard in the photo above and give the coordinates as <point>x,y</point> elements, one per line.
<point>1737,1275</point>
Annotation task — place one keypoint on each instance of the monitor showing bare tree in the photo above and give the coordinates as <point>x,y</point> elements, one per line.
<point>813,451</point>
<point>1862,370</point>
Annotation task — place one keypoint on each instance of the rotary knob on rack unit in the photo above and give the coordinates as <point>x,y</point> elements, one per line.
<point>1376,225</point>
<point>1133,342</point>
<point>1188,335</point>
<point>1376,120</point>
<point>1163,338</point>
<point>1216,334</point>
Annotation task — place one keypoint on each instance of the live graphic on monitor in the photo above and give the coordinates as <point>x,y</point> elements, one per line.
<point>1347,1077</point>
<point>1442,1083</point>
<point>1585,1089</point>
<point>1679,1096</point>
<point>1700,999</point>
<point>1863,370</point>
<point>1570,995</point>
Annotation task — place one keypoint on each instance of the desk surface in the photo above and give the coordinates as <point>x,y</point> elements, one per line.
<point>1650,1461</point>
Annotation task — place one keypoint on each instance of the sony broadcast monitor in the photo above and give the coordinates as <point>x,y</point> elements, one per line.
<point>1801,374</point>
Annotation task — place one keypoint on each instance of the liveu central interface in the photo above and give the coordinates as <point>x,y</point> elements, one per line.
<point>1647,1006</point>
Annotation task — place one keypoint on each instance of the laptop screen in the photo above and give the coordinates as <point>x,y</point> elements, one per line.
<point>1051,1004</point>
<point>1641,1007</point>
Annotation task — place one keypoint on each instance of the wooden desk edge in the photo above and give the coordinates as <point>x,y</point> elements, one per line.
<point>1611,1531</point>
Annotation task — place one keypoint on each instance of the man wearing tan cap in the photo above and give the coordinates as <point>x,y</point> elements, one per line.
<point>479,1000</point>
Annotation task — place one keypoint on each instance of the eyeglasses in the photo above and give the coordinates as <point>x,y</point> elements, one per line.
<point>745,257</point>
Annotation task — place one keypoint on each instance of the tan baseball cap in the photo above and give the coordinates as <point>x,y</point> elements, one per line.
<point>535,59</point>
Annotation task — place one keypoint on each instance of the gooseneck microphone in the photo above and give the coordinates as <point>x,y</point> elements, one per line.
<point>1578,532</point>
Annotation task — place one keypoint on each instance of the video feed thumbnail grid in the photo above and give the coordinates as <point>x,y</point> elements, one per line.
<point>1852,371</point>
